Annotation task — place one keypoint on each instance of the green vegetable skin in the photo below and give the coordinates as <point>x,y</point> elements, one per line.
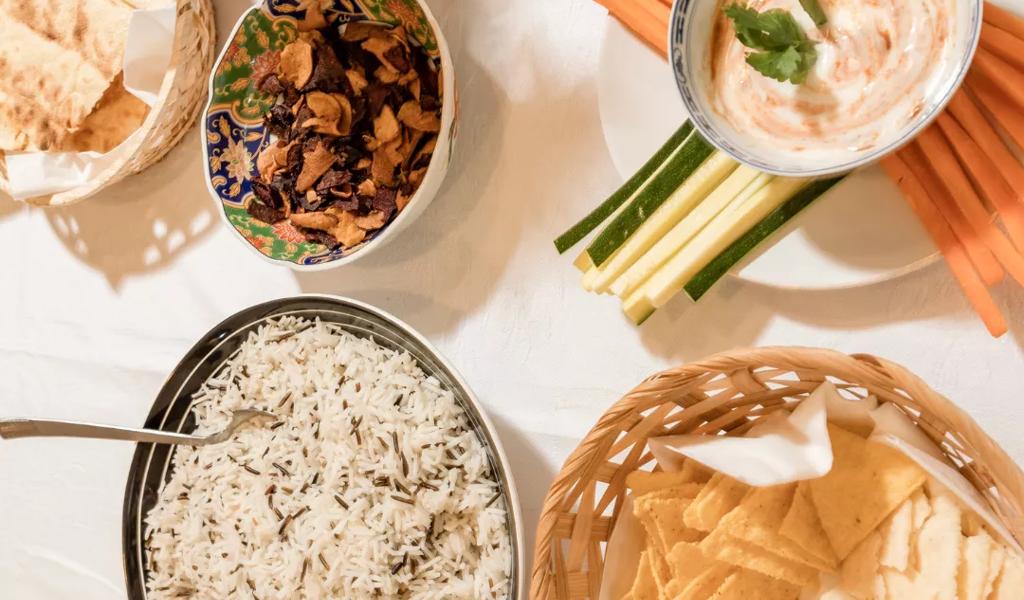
<point>694,152</point>
<point>784,52</point>
<point>709,275</point>
<point>580,230</point>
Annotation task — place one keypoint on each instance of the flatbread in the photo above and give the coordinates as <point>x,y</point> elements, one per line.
<point>59,57</point>
<point>867,482</point>
<point>938,548</point>
<point>995,567</point>
<point>118,115</point>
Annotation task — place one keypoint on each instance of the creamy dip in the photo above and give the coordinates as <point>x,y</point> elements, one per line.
<point>880,64</point>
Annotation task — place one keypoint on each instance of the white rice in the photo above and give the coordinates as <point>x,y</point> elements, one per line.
<point>313,507</point>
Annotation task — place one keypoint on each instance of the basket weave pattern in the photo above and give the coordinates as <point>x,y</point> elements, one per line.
<point>725,394</point>
<point>177,109</point>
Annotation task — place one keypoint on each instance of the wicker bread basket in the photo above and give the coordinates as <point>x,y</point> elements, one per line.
<point>177,108</point>
<point>726,393</point>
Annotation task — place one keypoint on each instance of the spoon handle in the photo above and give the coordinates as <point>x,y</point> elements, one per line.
<point>20,428</point>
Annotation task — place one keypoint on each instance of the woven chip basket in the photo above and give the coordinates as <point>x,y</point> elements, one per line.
<point>725,394</point>
<point>176,110</point>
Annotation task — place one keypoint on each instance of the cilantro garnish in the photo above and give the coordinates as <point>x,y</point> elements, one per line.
<point>784,52</point>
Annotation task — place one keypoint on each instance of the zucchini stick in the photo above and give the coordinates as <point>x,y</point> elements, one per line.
<point>682,201</point>
<point>734,186</point>
<point>625,193</point>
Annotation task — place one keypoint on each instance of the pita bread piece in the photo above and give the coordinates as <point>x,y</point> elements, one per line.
<point>861,569</point>
<point>895,533</point>
<point>867,482</point>
<point>1010,582</point>
<point>118,115</point>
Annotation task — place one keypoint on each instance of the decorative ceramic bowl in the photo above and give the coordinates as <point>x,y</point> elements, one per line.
<point>690,29</point>
<point>172,411</point>
<point>234,134</point>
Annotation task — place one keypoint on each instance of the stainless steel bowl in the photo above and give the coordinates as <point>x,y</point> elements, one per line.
<point>172,411</point>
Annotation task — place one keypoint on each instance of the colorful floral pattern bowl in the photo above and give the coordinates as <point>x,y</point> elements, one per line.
<point>234,134</point>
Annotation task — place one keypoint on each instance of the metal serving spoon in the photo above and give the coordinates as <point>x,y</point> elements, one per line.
<point>20,428</point>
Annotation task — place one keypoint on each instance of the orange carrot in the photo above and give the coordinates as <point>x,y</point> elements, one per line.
<point>1003,110</point>
<point>1004,19</point>
<point>952,250</point>
<point>966,111</point>
<point>983,260</point>
<point>648,19</point>
<point>940,154</point>
<point>987,178</point>
<point>1002,44</point>
<point>1005,79</point>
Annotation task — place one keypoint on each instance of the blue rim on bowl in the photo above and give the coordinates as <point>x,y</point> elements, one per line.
<point>233,133</point>
<point>685,59</point>
<point>151,464</point>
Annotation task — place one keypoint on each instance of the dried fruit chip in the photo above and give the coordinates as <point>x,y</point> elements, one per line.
<point>262,212</point>
<point>314,164</point>
<point>314,220</point>
<point>296,64</point>
<point>374,220</point>
<point>413,115</point>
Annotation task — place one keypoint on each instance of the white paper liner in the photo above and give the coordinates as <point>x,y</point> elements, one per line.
<point>148,47</point>
<point>787,448</point>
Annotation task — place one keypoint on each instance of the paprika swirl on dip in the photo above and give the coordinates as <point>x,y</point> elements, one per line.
<point>883,69</point>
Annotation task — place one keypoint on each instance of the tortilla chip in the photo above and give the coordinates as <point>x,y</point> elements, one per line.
<point>719,496</point>
<point>659,568</point>
<point>696,472</point>
<point>665,516</point>
<point>725,548</point>
<point>860,569</point>
<point>645,482</point>
<point>644,586</point>
<point>1010,582</point>
<point>758,518</point>
<point>748,585</point>
<point>895,534</point>
<point>867,482</point>
<point>975,556</point>
<point>705,584</point>
<point>687,561</point>
<point>802,526</point>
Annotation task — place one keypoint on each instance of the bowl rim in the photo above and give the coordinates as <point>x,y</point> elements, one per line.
<point>403,219</point>
<point>225,329</point>
<point>687,89</point>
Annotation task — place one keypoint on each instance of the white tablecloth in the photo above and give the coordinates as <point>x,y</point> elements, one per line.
<point>100,300</point>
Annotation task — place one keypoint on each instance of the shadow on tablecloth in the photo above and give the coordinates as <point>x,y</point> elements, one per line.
<point>143,222</point>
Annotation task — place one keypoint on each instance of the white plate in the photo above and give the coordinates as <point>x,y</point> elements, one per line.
<point>860,233</point>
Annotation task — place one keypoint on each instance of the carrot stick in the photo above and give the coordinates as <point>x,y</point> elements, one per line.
<point>940,154</point>
<point>1005,79</point>
<point>983,260</point>
<point>1005,113</point>
<point>1002,44</point>
<point>1004,19</point>
<point>966,111</point>
<point>987,178</point>
<point>952,250</point>
<point>648,19</point>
